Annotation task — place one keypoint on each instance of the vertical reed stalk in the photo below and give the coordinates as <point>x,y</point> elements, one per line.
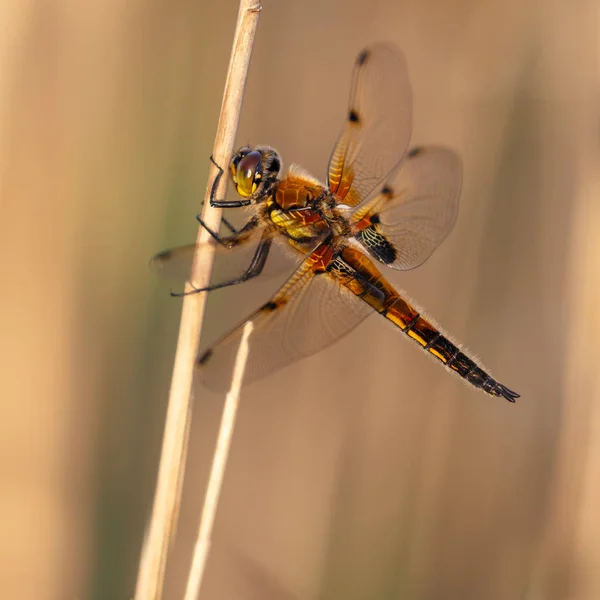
<point>160,533</point>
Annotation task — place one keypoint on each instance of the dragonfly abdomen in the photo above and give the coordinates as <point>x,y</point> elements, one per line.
<point>358,274</point>
<point>407,319</point>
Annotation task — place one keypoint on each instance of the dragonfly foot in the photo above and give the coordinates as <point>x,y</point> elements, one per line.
<point>188,292</point>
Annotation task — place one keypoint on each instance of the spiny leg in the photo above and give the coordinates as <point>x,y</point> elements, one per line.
<point>225,222</point>
<point>254,269</point>
<point>213,192</point>
<point>216,203</point>
<point>231,240</point>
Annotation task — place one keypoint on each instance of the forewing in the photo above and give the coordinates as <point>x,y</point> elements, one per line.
<point>416,210</point>
<point>175,264</point>
<point>378,124</point>
<point>308,313</point>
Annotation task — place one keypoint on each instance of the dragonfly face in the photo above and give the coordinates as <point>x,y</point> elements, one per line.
<point>380,205</point>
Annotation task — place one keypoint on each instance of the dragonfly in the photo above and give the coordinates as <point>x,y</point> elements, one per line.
<point>383,205</point>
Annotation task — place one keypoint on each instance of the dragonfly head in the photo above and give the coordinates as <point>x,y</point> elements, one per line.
<point>253,172</point>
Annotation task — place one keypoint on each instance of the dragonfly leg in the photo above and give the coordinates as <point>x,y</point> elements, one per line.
<point>230,240</point>
<point>216,203</point>
<point>229,225</point>
<point>225,222</point>
<point>254,269</point>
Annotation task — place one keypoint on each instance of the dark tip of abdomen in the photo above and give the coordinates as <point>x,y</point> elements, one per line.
<point>504,392</point>
<point>353,116</point>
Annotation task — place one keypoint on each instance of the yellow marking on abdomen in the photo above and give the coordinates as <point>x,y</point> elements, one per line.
<point>417,338</point>
<point>437,355</point>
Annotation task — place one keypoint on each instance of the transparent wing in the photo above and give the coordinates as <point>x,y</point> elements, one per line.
<point>378,124</point>
<point>175,264</point>
<point>309,312</point>
<point>415,211</point>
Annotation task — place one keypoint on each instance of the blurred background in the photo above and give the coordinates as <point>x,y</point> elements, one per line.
<point>381,476</point>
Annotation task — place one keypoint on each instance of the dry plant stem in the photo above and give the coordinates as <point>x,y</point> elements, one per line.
<point>217,471</point>
<point>160,533</point>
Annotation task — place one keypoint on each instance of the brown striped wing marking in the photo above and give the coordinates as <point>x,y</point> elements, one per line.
<point>415,211</point>
<point>378,124</point>
<point>309,312</point>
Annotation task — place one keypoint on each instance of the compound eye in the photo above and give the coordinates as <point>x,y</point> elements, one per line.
<point>235,161</point>
<point>248,173</point>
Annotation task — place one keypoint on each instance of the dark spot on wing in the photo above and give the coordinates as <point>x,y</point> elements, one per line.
<point>270,306</point>
<point>353,116</point>
<point>204,358</point>
<point>386,190</point>
<point>164,255</point>
<point>415,151</point>
<point>386,253</point>
<point>362,57</point>
<point>376,243</point>
<point>375,219</point>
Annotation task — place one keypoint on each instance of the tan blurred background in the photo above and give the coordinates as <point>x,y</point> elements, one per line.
<point>386,479</point>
